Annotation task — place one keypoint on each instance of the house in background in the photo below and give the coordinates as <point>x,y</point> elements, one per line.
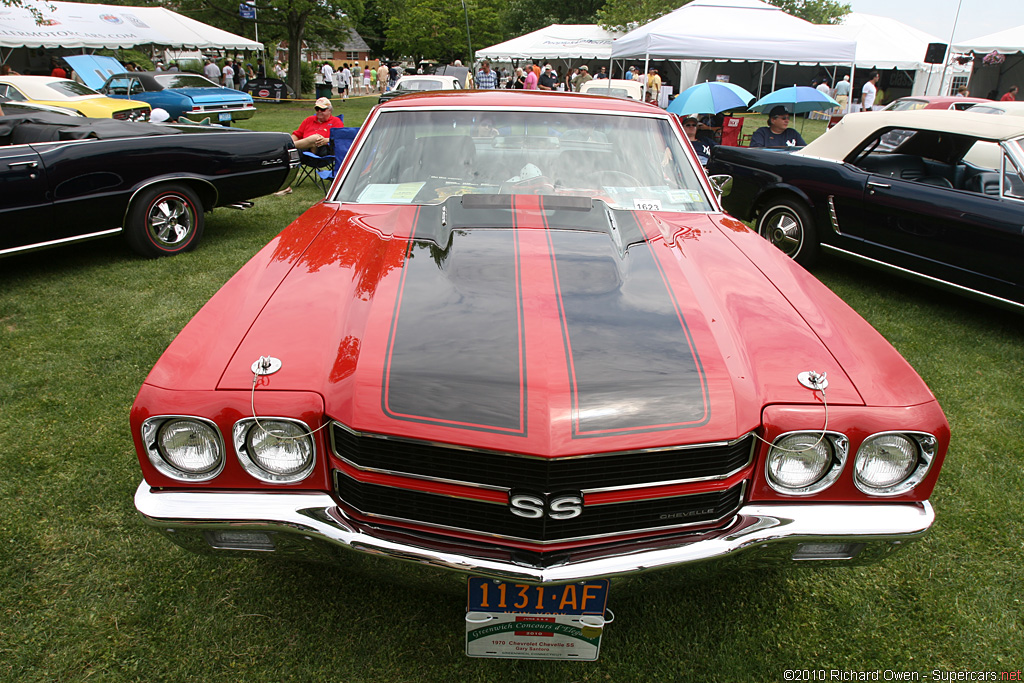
<point>354,49</point>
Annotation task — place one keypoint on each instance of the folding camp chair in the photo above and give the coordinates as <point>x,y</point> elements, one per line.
<point>312,165</point>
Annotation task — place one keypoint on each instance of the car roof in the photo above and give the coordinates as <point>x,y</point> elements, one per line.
<point>941,99</point>
<point>1015,108</point>
<point>852,129</point>
<point>33,86</point>
<point>531,99</point>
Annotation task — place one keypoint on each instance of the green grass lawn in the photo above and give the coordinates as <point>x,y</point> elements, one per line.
<point>89,593</point>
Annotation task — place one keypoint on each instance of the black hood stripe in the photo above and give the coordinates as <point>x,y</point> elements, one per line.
<point>456,348</point>
<point>630,355</point>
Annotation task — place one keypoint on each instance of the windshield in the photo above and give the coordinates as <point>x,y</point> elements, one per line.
<point>184,81</point>
<point>421,84</point>
<point>424,157</point>
<point>71,88</point>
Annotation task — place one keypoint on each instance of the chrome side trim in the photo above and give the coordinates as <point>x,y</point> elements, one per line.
<point>310,523</point>
<point>928,279</point>
<point>832,215</point>
<point>53,243</point>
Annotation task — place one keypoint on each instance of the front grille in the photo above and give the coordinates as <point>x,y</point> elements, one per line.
<point>709,461</point>
<point>497,520</point>
<point>131,114</point>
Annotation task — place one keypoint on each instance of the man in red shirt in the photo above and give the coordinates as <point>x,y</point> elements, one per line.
<point>1010,96</point>
<point>315,131</point>
<point>56,70</point>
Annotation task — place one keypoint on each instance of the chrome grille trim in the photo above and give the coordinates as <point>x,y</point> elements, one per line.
<point>711,523</point>
<point>336,452</point>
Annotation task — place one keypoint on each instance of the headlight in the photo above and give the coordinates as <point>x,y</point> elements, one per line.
<point>802,463</point>
<point>275,450</point>
<point>892,463</point>
<point>185,448</point>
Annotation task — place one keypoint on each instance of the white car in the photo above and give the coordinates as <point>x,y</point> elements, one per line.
<point>614,87</point>
<point>411,84</point>
<point>999,108</point>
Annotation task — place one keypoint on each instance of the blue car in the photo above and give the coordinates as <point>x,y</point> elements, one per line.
<point>183,95</point>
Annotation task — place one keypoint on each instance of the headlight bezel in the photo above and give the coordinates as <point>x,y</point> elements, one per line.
<point>250,463</point>
<point>150,432</point>
<point>840,446</point>
<point>927,446</point>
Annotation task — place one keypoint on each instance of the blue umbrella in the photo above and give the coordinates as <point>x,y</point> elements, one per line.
<point>710,98</point>
<point>798,99</point>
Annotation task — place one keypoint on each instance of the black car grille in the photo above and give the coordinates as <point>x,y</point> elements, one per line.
<point>709,461</point>
<point>497,520</point>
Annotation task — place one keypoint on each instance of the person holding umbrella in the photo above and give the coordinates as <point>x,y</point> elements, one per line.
<point>777,133</point>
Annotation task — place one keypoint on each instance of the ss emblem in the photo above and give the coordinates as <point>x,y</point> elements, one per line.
<point>552,505</point>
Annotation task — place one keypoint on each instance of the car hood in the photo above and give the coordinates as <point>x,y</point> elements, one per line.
<point>548,328</point>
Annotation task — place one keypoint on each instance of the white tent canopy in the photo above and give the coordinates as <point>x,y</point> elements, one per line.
<point>558,41</point>
<point>1008,42</point>
<point>78,25</point>
<point>883,43</point>
<point>744,30</point>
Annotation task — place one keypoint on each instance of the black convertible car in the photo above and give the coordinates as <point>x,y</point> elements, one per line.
<point>65,179</point>
<point>935,195</point>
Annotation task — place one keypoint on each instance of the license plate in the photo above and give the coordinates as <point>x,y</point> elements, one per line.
<point>522,621</point>
<point>224,116</point>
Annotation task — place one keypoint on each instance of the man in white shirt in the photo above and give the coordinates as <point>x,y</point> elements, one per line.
<point>211,71</point>
<point>328,73</point>
<point>346,82</point>
<point>867,93</point>
<point>229,75</point>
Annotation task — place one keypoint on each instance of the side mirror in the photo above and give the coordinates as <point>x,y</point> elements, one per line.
<point>722,185</point>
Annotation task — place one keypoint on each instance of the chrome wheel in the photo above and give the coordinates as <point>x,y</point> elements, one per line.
<point>788,226</point>
<point>785,232</point>
<point>164,220</point>
<point>171,221</point>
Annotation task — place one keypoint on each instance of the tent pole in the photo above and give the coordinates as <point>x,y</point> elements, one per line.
<point>853,76</point>
<point>647,60</point>
<point>775,73</point>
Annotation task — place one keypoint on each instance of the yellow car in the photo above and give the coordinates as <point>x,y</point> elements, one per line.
<point>62,92</point>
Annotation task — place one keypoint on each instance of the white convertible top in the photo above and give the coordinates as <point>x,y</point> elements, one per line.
<point>838,142</point>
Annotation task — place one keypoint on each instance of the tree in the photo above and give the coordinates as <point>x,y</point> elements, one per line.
<point>436,29</point>
<point>627,14</point>
<point>814,11</point>
<point>320,21</point>
<point>523,16</point>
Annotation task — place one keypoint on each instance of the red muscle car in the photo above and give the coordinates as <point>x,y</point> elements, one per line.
<point>520,339</point>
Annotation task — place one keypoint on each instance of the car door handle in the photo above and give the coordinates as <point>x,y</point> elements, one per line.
<point>883,186</point>
<point>24,164</point>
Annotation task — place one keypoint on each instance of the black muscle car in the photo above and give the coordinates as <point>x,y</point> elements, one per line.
<point>65,179</point>
<point>934,195</point>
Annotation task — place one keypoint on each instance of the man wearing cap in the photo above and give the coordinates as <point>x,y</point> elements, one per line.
<point>315,131</point>
<point>548,79</point>
<point>583,77</point>
<point>777,133</point>
<point>701,146</point>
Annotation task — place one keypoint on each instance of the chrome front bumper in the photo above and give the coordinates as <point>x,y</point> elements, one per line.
<point>312,526</point>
